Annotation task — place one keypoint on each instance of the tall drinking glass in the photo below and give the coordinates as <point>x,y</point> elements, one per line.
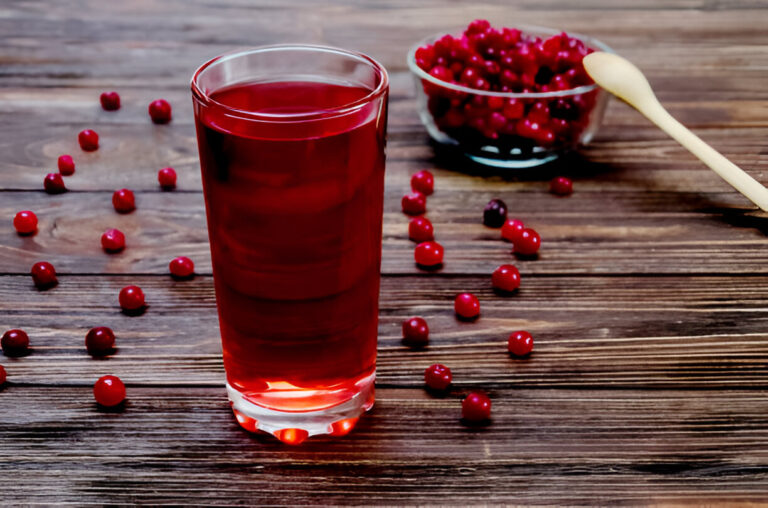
<point>291,142</point>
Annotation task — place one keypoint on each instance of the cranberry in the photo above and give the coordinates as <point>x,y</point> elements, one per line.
<point>167,178</point>
<point>420,230</point>
<point>3,375</point>
<point>495,213</point>
<point>109,391</point>
<point>100,341</point>
<point>476,407</point>
<point>415,332</point>
<point>66,165</point>
<point>428,254</point>
<point>123,201</point>
<point>520,343</point>
<point>438,377</point>
<point>160,111</point>
<point>113,240</point>
<point>561,186</point>
<point>466,305</point>
<point>131,298</point>
<point>25,222</point>
<point>89,140</point>
<point>423,182</point>
<point>414,203</point>
<point>54,183</point>
<point>43,275</point>
<point>181,267</point>
<point>110,101</point>
<point>511,230</point>
<point>506,278</point>
<point>528,242</point>
<point>15,342</point>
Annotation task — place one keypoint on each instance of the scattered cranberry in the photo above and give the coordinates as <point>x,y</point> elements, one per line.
<point>15,342</point>
<point>100,341</point>
<point>25,222</point>
<point>476,407</point>
<point>415,332</point>
<point>160,111</point>
<point>511,230</point>
<point>423,182</point>
<point>167,178</point>
<point>54,183</point>
<point>428,254</point>
<point>131,298</point>
<point>528,242</point>
<point>110,101</point>
<point>89,140</point>
<point>123,201</point>
<point>3,375</point>
<point>495,213</point>
<point>438,377</point>
<point>466,305</point>
<point>414,203</point>
<point>113,240</point>
<point>109,391</point>
<point>43,275</point>
<point>561,186</point>
<point>420,230</point>
<point>520,343</point>
<point>181,267</point>
<point>66,165</point>
<point>506,278</point>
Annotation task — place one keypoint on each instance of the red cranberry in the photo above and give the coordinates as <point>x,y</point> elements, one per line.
<point>66,165</point>
<point>100,341</point>
<point>3,375</point>
<point>506,278</point>
<point>123,201</point>
<point>415,332</point>
<point>110,101</point>
<point>428,254</point>
<point>181,267</point>
<point>423,182</point>
<point>109,391</point>
<point>167,178</point>
<point>528,242</point>
<point>495,213</point>
<point>89,140</point>
<point>476,407</point>
<point>511,230</point>
<point>113,240</point>
<point>466,305</point>
<point>414,203</point>
<point>15,342</point>
<point>43,275</point>
<point>438,377</point>
<point>420,230</point>
<point>561,186</point>
<point>25,222</point>
<point>520,343</point>
<point>54,183</point>
<point>131,298</point>
<point>160,111</point>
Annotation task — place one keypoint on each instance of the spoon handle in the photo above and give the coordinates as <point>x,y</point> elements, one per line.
<point>728,171</point>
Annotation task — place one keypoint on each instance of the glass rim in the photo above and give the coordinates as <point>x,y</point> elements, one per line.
<point>525,29</point>
<point>200,95</point>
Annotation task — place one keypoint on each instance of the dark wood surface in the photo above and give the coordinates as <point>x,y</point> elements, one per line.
<point>649,301</point>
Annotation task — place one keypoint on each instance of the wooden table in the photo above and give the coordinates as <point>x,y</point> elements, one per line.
<point>649,302</point>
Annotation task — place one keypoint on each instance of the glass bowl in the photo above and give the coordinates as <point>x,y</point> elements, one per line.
<point>496,128</point>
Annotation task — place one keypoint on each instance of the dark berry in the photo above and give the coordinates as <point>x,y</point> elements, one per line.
<point>428,254</point>
<point>100,341</point>
<point>160,111</point>
<point>54,183</point>
<point>466,305</point>
<point>506,278</point>
<point>124,201</point>
<point>476,407</point>
<point>438,377</point>
<point>131,298</point>
<point>561,186</point>
<point>109,391</point>
<point>423,182</point>
<point>113,240</point>
<point>520,343</point>
<point>110,101</point>
<point>415,332</point>
<point>89,140</point>
<point>3,375</point>
<point>15,342</point>
<point>181,267</point>
<point>511,230</point>
<point>25,222</point>
<point>528,242</point>
<point>414,203</point>
<point>495,213</point>
<point>43,275</point>
<point>66,165</point>
<point>420,230</point>
<point>167,178</point>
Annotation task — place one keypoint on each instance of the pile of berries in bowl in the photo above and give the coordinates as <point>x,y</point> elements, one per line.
<point>510,97</point>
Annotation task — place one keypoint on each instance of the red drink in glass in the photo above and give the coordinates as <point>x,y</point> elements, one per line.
<point>292,158</point>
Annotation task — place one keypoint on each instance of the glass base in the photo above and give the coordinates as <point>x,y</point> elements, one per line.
<point>511,163</point>
<point>295,426</point>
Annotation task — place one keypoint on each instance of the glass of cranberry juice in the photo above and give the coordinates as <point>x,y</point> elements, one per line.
<point>291,142</point>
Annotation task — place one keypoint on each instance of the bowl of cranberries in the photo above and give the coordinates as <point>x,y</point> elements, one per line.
<point>508,97</point>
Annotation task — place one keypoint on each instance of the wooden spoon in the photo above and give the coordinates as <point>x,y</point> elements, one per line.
<point>620,77</point>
